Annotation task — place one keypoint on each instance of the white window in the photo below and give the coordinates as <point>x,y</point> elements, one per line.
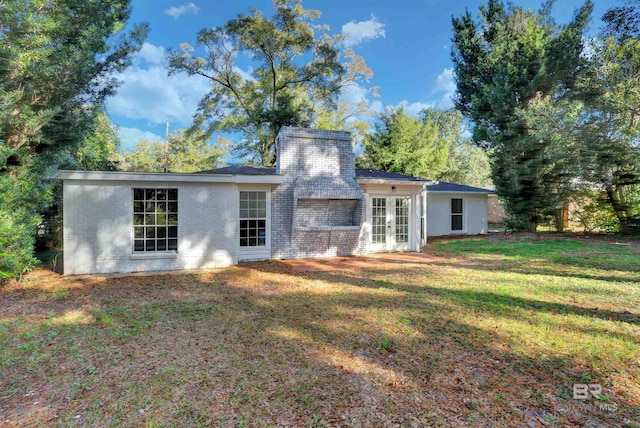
<point>379,221</point>
<point>253,218</point>
<point>155,220</point>
<point>456,215</point>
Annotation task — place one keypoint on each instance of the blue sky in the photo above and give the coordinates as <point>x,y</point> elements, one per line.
<point>406,43</point>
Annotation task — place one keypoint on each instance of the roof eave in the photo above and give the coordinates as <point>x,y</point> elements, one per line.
<point>488,192</point>
<point>168,177</point>
<point>418,182</point>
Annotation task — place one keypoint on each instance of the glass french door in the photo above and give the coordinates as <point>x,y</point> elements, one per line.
<point>390,220</point>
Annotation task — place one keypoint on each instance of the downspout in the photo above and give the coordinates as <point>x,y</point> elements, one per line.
<point>424,214</point>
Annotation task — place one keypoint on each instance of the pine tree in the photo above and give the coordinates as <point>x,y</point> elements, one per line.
<point>501,64</point>
<point>59,59</point>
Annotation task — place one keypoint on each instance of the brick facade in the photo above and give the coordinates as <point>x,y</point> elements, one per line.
<point>318,209</point>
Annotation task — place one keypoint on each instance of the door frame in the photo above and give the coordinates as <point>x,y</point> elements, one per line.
<point>390,243</point>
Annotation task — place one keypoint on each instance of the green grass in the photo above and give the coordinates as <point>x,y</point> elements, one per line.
<point>477,332</point>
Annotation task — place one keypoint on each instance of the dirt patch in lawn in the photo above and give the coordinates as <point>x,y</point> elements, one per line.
<point>408,339</point>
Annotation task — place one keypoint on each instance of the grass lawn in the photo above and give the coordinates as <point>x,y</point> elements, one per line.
<point>477,332</point>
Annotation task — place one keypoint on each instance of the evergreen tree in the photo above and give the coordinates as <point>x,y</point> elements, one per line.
<point>597,129</point>
<point>58,61</point>
<point>405,144</point>
<point>501,64</point>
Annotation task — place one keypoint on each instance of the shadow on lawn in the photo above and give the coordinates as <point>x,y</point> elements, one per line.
<point>535,269</point>
<point>573,253</point>
<point>495,302</point>
<point>284,350</point>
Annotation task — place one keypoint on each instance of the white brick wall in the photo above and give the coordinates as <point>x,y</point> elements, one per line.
<point>323,159</point>
<point>98,221</point>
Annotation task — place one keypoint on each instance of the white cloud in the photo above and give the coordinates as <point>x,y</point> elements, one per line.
<point>151,54</point>
<point>245,74</point>
<point>177,11</point>
<point>352,94</point>
<point>376,106</point>
<point>130,136</point>
<point>149,93</point>
<point>446,88</point>
<point>356,33</point>
<point>414,108</point>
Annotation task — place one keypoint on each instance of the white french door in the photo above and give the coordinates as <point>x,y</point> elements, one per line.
<point>390,223</point>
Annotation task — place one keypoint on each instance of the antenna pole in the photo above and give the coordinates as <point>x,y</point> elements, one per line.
<point>166,147</point>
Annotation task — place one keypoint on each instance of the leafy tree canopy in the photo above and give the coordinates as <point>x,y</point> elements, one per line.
<point>296,62</point>
<point>405,144</point>
<point>187,152</point>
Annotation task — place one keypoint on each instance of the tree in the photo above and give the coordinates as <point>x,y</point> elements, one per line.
<point>59,59</point>
<point>614,82</point>
<point>466,162</point>
<point>294,65</point>
<point>353,117</point>
<point>145,156</point>
<point>598,127</point>
<point>622,22</point>
<point>404,144</point>
<point>99,150</point>
<point>500,65</point>
<point>187,152</point>
<point>345,117</point>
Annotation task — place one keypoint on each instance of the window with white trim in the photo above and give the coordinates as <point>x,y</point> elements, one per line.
<point>253,218</point>
<point>155,220</point>
<point>456,215</point>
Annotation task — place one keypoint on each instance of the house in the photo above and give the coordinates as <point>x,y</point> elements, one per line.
<point>313,203</point>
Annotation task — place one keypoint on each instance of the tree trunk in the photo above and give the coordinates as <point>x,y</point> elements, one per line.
<point>619,208</point>
<point>560,220</point>
<point>562,217</point>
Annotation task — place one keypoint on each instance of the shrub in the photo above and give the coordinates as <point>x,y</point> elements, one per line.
<point>591,211</point>
<point>16,244</point>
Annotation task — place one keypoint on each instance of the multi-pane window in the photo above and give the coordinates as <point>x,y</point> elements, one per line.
<point>456,214</point>
<point>253,218</point>
<point>155,220</point>
<point>379,220</point>
<point>402,220</point>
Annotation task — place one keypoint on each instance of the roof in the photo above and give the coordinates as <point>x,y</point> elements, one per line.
<point>443,186</point>
<point>172,177</point>
<point>242,170</point>
<point>384,175</point>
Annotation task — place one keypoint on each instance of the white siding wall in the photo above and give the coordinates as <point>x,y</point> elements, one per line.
<point>439,213</point>
<point>98,219</point>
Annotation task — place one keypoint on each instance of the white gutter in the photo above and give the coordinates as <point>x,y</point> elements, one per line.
<point>169,177</point>
<point>424,213</point>
<point>488,192</point>
<point>394,181</point>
